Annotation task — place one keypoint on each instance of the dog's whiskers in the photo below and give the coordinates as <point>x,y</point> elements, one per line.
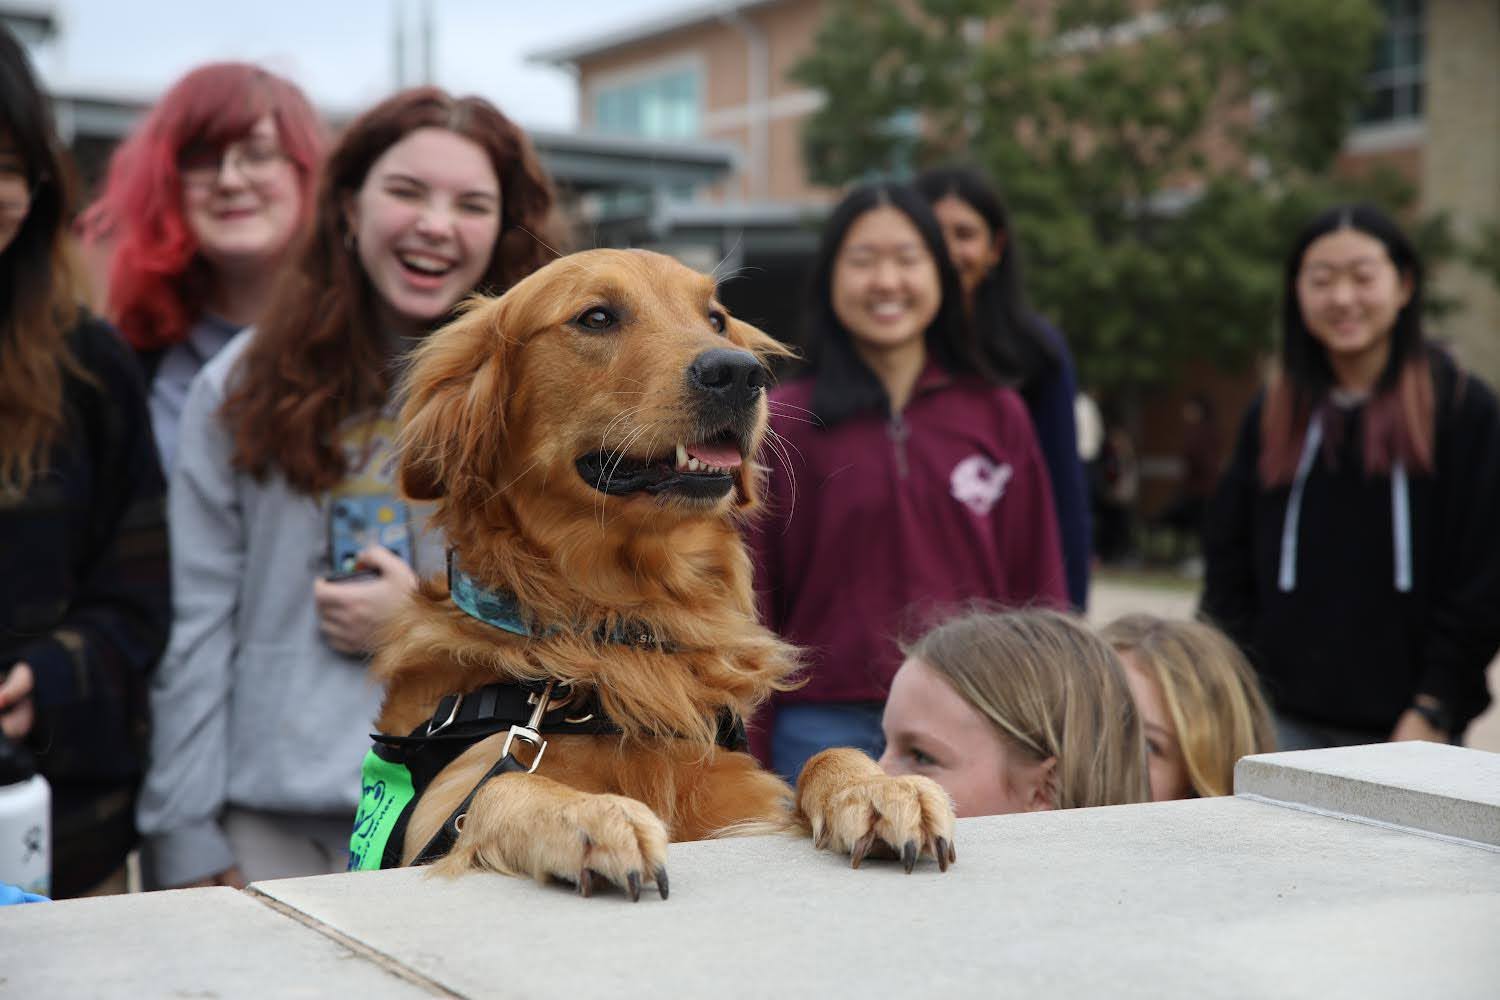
<point>780,445</point>
<point>781,406</point>
<point>555,252</point>
<point>739,238</point>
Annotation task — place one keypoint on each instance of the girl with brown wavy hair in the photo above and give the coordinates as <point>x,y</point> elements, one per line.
<point>293,546</point>
<point>83,561</point>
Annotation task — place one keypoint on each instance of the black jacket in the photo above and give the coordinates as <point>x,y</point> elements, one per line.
<point>1345,646</point>
<point>85,601</point>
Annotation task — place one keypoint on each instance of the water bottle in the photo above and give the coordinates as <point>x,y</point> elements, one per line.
<point>25,821</point>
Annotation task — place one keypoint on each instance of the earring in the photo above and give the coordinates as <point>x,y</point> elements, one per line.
<point>351,243</point>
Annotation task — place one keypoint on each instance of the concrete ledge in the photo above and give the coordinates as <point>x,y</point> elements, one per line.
<point>1429,787</point>
<point>1208,898</point>
<point>188,943</point>
<point>1211,898</point>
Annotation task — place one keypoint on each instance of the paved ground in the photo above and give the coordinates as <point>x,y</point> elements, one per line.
<point>1111,597</point>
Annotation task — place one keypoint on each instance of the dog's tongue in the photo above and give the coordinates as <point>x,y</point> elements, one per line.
<point>725,456</point>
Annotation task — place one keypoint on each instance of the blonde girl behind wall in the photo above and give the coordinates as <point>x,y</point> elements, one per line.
<point>1055,690</point>
<point>1209,693</point>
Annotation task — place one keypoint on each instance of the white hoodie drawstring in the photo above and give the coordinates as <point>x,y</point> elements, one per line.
<point>1287,578</point>
<point>1400,515</point>
<point>1401,526</point>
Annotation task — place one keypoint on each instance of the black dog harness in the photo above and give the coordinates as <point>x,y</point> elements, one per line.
<point>398,769</point>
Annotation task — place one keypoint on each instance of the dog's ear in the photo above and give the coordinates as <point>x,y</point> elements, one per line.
<point>763,346</point>
<point>456,391</point>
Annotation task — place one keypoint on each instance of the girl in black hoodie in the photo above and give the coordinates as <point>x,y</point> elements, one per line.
<point>1353,546</point>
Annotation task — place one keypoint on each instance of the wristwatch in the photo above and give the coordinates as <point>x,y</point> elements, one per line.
<point>1434,711</point>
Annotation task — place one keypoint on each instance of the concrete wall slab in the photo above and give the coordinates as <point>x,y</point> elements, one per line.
<point>187,943</point>
<point>1214,898</point>
<point>1432,787</point>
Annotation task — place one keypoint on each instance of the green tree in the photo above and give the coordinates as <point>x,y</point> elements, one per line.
<point>1155,167</point>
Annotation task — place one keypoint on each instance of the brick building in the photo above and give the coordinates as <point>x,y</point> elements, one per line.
<point>719,72</point>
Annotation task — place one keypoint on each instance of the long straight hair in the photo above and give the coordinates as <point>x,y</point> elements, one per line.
<point>39,282</point>
<point>158,283</point>
<point>1211,694</point>
<point>843,384</point>
<point>1399,416</point>
<point>1052,688</point>
<point>318,356</point>
<point>1006,331</point>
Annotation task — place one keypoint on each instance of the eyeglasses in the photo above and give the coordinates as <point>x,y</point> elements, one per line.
<point>254,159</point>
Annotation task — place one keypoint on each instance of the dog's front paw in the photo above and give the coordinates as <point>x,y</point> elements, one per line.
<point>853,807</point>
<point>616,839</point>
<point>527,824</point>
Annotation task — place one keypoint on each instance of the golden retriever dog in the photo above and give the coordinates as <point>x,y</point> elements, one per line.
<point>588,443</point>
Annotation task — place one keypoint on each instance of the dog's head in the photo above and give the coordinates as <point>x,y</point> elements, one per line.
<point>607,377</point>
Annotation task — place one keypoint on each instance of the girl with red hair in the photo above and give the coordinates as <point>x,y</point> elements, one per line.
<point>200,206</point>
<point>283,485</point>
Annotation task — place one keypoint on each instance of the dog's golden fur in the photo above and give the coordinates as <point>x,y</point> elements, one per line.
<point>500,404</point>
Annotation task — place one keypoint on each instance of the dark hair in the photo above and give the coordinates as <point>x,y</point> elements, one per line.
<point>1008,333</point>
<point>318,356</point>
<point>39,286</point>
<point>1399,416</point>
<point>843,385</point>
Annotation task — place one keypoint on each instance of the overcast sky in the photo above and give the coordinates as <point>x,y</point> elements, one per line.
<point>340,51</point>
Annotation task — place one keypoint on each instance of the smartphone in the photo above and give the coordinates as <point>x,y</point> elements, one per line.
<point>362,573</point>
<point>357,522</point>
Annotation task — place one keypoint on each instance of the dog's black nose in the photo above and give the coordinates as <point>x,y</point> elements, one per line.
<point>734,378</point>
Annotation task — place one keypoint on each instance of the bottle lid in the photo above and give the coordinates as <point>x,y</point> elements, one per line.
<point>16,762</point>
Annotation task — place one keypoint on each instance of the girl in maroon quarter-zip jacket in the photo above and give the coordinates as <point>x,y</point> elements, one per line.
<point>904,479</point>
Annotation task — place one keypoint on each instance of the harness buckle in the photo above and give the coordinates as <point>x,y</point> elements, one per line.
<point>433,726</point>
<point>564,702</point>
<point>529,733</point>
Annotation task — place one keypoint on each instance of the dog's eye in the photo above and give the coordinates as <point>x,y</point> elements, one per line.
<point>717,320</point>
<point>597,319</point>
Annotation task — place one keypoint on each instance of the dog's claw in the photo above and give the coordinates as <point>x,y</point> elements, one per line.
<point>586,883</point>
<point>861,848</point>
<point>661,881</point>
<point>633,886</point>
<point>952,854</point>
<point>941,853</point>
<point>909,856</point>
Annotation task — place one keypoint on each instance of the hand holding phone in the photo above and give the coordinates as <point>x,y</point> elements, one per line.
<point>352,613</point>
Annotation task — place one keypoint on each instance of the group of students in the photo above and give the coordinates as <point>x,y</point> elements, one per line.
<point>1352,553</point>
<point>263,288</point>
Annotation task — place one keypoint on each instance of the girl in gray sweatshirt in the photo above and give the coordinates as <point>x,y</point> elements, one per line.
<point>290,546</point>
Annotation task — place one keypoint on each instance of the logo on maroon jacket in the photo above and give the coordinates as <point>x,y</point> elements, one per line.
<point>979,483</point>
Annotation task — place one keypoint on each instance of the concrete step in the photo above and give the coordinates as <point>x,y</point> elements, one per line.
<point>1429,787</point>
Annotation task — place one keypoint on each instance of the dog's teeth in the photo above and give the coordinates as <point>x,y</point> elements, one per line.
<point>682,456</point>
<point>694,465</point>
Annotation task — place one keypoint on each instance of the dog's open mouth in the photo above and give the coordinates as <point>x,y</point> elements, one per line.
<point>702,471</point>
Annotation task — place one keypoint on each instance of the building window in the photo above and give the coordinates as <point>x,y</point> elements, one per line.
<point>662,107</point>
<point>1394,86</point>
